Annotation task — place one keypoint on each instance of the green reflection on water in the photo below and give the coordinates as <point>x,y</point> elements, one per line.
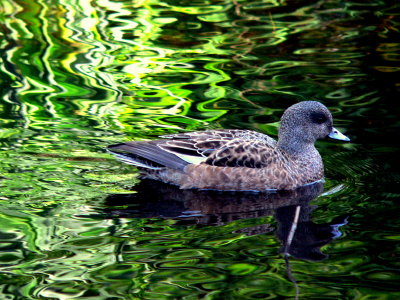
<point>78,75</point>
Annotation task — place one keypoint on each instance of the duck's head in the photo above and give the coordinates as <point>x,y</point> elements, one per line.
<point>307,121</point>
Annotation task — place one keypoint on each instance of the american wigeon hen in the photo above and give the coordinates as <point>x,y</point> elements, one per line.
<point>238,159</point>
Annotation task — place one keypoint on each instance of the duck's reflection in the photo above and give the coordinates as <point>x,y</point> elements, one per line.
<point>300,237</point>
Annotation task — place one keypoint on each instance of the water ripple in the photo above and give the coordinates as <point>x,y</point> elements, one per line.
<point>76,76</point>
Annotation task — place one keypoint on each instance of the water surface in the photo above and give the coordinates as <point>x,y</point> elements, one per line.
<point>76,76</point>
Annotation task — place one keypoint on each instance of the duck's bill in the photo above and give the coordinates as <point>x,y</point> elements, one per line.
<point>337,135</point>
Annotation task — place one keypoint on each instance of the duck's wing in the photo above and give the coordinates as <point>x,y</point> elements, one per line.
<point>146,154</point>
<point>222,135</point>
<point>250,154</point>
<point>198,146</point>
<point>216,147</point>
<point>170,153</point>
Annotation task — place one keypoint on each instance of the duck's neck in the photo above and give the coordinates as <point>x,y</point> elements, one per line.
<point>299,149</point>
<point>304,155</point>
<point>306,158</point>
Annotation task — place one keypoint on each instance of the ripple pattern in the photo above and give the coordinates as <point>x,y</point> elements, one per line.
<point>76,75</point>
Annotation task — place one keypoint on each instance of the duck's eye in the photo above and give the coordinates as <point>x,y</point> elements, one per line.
<point>318,118</point>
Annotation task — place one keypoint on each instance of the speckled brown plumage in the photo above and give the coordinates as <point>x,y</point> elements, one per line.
<point>238,159</point>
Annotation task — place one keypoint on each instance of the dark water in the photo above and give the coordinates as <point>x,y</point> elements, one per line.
<point>77,75</point>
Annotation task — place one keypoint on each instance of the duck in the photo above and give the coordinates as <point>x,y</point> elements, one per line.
<point>238,159</point>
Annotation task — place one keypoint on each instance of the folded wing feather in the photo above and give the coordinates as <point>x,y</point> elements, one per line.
<point>227,148</point>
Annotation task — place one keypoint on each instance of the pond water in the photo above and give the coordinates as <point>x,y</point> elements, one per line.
<point>78,75</point>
